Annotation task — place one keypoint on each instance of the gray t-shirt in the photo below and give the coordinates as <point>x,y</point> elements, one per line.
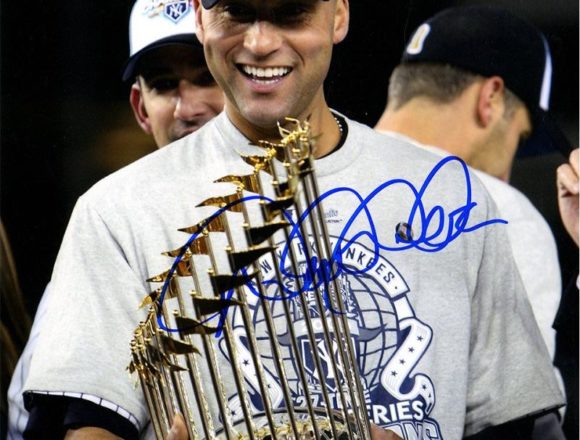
<point>446,339</point>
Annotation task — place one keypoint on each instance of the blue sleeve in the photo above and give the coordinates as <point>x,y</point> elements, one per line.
<point>51,416</point>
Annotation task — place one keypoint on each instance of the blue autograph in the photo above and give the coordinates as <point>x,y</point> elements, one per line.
<point>436,229</point>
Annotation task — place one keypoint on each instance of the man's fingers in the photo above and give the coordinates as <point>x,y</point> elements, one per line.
<point>574,157</point>
<point>378,433</point>
<point>567,180</point>
<point>178,429</point>
<point>567,176</point>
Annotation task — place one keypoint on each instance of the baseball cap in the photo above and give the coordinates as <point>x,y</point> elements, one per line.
<point>208,4</point>
<point>488,41</point>
<point>154,24</point>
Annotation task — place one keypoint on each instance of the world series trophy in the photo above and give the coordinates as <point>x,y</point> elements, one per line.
<point>210,330</point>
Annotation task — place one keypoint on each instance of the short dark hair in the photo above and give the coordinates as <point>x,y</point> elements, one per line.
<point>441,83</point>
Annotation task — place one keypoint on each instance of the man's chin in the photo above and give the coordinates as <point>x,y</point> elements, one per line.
<point>268,121</point>
<point>184,133</point>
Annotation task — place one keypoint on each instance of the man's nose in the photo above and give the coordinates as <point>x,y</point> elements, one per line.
<point>262,38</point>
<point>190,101</point>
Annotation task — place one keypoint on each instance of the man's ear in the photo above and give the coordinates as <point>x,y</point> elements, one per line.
<point>198,22</point>
<point>138,106</point>
<point>341,21</point>
<point>490,104</point>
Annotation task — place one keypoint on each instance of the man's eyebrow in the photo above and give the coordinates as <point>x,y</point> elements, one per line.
<point>276,3</point>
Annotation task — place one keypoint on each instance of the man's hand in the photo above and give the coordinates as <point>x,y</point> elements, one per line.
<point>567,182</point>
<point>382,434</point>
<point>90,433</point>
<point>178,430</point>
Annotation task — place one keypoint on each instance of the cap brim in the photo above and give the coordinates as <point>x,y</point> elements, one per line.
<point>189,40</point>
<point>547,137</point>
<point>207,4</point>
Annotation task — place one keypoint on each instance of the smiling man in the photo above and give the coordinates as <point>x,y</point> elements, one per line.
<point>446,343</point>
<point>276,67</point>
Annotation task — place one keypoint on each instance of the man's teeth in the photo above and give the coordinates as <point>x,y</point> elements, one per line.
<point>266,73</point>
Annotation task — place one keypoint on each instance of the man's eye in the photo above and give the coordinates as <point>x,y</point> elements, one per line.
<point>162,85</point>
<point>240,12</point>
<point>204,79</point>
<point>292,13</point>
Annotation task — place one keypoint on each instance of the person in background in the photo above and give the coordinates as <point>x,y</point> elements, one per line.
<point>566,323</point>
<point>173,94</point>
<point>15,322</point>
<point>479,108</point>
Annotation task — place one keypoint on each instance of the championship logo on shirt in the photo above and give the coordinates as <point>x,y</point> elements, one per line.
<point>388,338</point>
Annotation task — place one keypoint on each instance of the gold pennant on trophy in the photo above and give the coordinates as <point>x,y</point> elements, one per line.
<point>231,202</point>
<point>260,163</point>
<point>248,182</point>
<point>211,224</point>
<point>198,246</point>
<point>182,269</point>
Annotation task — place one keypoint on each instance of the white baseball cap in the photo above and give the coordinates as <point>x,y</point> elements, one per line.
<point>157,23</point>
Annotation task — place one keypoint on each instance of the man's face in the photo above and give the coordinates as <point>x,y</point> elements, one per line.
<point>175,93</point>
<point>501,145</point>
<point>271,56</point>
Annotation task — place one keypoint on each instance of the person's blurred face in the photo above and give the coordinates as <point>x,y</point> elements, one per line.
<point>497,154</point>
<point>175,94</point>
<point>271,56</point>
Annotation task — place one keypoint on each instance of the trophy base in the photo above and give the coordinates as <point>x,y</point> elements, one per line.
<point>303,427</point>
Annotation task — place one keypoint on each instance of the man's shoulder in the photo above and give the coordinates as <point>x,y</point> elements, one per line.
<point>415,159</point>
<point>509,199</point>
<point>139,176</point>
<point>160,172</point>
<point>409,151</point>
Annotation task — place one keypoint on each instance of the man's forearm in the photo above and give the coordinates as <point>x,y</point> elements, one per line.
<point>90,433</point>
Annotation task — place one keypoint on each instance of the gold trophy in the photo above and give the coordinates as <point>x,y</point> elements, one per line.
<point>232,333</point>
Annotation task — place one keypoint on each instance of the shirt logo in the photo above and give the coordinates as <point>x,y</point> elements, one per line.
<point>388,339</point>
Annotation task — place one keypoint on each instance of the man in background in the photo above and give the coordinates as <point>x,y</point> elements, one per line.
<point>173,95</point>
<point>474,82</point>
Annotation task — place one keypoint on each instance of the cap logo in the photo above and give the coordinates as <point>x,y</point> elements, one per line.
<point>176,10</point>
<point>415,46</point>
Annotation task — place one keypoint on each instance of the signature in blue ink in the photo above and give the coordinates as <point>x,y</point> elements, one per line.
<point>433,227</point>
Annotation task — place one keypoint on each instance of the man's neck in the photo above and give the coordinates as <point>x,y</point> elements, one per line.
<point>440,125</point>
<point>323,125</point>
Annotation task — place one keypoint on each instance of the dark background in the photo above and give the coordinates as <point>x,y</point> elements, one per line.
<point>66,122</point>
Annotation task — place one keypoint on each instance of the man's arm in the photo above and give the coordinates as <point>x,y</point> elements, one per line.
<point>82,350</point>
<point>89,433</point>
<point>61,416</point>
<point>179,432</point>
